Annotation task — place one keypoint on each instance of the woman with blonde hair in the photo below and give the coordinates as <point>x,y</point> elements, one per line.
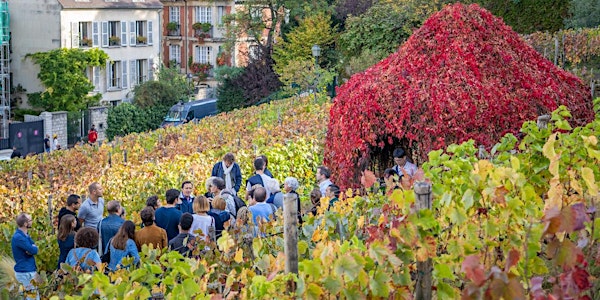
<point>203,223</point>
<point>220,215</point>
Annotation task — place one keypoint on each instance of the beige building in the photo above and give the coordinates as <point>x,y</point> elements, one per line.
<point>127,30</point>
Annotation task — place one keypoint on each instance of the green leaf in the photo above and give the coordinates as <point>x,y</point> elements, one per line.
<point>457,215</point>
<point>311,267</point>
<point>313,291</point>
<point>190,288</point>
<point>467,199</point>
<point>441,271</point>
<point>445,291</point>
<point>346,265</point>
<point>302,247</point>
<point>332,284</point>
<point>379,284</point>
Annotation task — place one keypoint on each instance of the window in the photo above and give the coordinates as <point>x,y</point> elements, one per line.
<point>85,34</point>
<point>220,14</point>
<point>254,52</point>
<point>113,74</point>
<point>139,70</point>
<point>174,14</point>
<point>111,33</point>
<point>203,14</point>
<point>140,33</point>
<point>175,53</point>
<point>203,54</point>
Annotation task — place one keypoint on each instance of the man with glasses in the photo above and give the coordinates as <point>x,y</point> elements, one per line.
<point>24,249</point>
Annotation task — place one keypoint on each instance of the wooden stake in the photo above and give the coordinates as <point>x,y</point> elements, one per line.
<point>290,232</point>
<point>423,201</point>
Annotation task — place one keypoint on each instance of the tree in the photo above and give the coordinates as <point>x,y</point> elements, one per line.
<point>528,16</point>
<point>63,74</point>
<point>583,13</point>
<point>313,30</point>
<point>166,91</point>
<point>379,31</point>
<point>463,75</point>
<point>347,8</point>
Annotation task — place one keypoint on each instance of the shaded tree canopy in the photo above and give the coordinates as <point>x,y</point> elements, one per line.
<point>463,75</point>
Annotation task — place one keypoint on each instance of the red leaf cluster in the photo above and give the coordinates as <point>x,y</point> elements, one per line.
<point>463,75</point>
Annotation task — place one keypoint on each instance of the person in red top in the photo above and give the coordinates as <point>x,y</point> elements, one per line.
<point>92,134</point>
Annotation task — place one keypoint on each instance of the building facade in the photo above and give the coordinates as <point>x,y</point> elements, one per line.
<point>127,30</point>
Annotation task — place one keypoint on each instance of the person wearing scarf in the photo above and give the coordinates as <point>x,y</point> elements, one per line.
<point>230,171</point>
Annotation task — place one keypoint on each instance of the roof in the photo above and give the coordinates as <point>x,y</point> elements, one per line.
<point>111,4</point>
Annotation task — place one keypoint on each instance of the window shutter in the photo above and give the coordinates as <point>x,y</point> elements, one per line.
<point>124,77</point>
<point>123,33</point>
<point>108,75</point>
<point>149,32</point>
<point>95,34</point>
<point>150,69</point>
<point>105,34</point>
<point>96,78</point>
<point>74,34</point>
<point>132,36</point>
<point>133,72</point>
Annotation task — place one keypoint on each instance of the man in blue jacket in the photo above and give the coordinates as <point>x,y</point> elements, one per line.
<point>24,249</point>
<point>230,171</point>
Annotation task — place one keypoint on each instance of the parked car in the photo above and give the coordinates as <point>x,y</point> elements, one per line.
<point>182,113</point>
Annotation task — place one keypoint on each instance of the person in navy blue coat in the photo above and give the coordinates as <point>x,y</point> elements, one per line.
<point>230,171</point>
<point>24,249</point>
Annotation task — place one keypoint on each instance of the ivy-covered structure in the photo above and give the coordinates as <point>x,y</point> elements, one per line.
<point>463,75</point>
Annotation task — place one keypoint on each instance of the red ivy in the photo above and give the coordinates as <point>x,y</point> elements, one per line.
<point>463,75</point>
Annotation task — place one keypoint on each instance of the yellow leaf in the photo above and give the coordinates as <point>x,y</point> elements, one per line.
<point>554,195</point>
<point>361,221</point>
<point>549,153</point>
<point>239,256</point>
<point>590,181</point>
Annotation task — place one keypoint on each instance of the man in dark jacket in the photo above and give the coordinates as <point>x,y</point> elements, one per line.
<point>184,242</point>
<point>186,199</point>
<point>73,203</point>
<point>230,171</point>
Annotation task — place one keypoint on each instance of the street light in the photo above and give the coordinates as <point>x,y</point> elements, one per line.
<point>316,52</point>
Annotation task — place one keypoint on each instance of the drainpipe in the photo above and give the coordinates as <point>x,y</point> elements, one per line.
<point>185,41</point>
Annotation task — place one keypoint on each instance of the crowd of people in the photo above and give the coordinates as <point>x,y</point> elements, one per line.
<point>88,240</point>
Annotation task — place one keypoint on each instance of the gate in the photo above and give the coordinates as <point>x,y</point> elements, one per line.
<point>78,124</point>
<point>27,137</point>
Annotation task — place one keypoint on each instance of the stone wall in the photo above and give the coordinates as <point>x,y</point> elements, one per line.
<point>98,117</point>
<point>56,123</point>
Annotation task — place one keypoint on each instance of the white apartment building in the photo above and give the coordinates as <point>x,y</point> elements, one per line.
<point>127,30</point>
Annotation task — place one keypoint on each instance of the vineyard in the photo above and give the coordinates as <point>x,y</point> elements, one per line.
<point>519,221</point>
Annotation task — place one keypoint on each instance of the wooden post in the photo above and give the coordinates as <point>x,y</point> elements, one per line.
<point>125,156</point>
<point>110,159</point>
<point>424,280</point>
<point>290,232</point>
<point>50,200</point>
<point>542,121</point>
<point>29,175</point>
<point>481,154</point>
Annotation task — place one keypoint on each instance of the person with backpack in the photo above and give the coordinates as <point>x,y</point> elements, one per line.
<point>217,187</point>
<point>222,217</point>
<point>259,177</point>
<point>92,135</point>
<point>229,171</point>
<point>261,211</point>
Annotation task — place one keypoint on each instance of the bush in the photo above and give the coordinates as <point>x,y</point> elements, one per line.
<point>231,96</point>
<point>128,118</point>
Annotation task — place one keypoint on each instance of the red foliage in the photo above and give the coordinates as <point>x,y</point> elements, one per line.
<point>463,75</point>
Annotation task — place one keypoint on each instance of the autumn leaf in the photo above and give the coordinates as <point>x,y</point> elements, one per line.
<point>368,179</point>
<point>474,270</point>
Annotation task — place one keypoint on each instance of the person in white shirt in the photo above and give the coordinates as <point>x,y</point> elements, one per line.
<point>323,174</point>
<point>403,166</point>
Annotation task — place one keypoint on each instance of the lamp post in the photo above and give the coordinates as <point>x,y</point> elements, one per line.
<point>316,52</point>
<point>189,80</point>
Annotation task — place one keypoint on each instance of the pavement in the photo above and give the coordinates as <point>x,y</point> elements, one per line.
<point>5,154</point>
